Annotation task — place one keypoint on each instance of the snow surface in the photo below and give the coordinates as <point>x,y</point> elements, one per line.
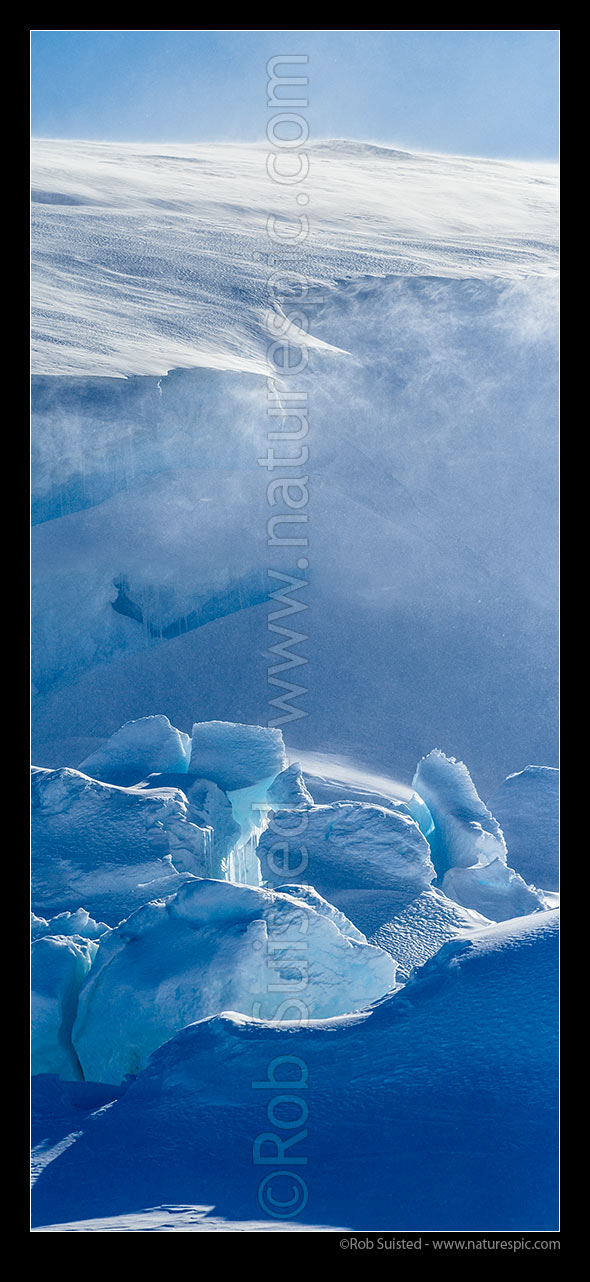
<point>217,946</point>
<point>494,890</point>
<point>236,756</point>
<point>416,933</point>
<point>183,1219</point>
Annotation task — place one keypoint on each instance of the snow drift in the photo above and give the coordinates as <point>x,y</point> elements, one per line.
<point>203,209</point>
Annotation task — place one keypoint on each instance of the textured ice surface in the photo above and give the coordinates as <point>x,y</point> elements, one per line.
<point>416,933</point>
<point>465,832</point>
<point>527,807</point>
<point>59,965</point>
<point>109,848</point>
<point>345,845</point>
<point>217,946</point>
<point>138,749</point>
<point>494,890</point>
<point>236,756</point>
<point>443,1097</point>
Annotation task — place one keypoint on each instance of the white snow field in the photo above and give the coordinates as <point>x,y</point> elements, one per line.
<point>312,921</point>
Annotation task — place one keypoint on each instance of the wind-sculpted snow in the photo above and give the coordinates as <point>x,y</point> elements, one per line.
<point>327,790</point>
<point>151,246</point>
<point>465,832</point>
<point>217,946</point>
<point>345,845</point>
<point>527,806</point>
<point>109,848</point>
<point>149,745</point>
<point>435,1110</point>
<point>309,896</point>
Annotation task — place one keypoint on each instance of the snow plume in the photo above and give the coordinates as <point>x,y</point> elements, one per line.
<point>378,211</point>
